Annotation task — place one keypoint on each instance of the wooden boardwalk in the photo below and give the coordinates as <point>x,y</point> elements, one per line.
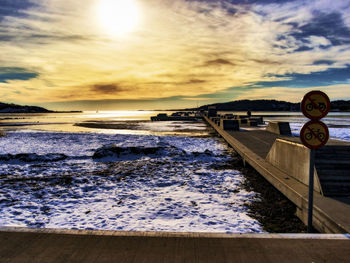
<point>53,246</point>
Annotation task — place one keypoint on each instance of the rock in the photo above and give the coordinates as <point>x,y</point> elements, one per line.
<point>194,203</point>
<point>116,151</point>
<point>33,157</point>
<point>207,152</point>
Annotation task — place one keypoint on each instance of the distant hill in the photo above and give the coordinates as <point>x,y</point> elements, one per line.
<point>14,108</point>
<point>340,105</point>
<point>269,105</point>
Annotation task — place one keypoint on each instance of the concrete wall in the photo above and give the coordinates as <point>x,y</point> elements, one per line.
<point>242,121</point>
<point>279,127</point>
<point>330,215</point>
<point>229,116</point>
<point>293,159</point>
<point>216,120</point>
<point>212,112</point>
<point>259,120</point>
<point>232,125</point>
<point>252,123</point>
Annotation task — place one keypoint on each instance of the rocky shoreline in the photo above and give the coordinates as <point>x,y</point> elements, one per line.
<point>272,209</point>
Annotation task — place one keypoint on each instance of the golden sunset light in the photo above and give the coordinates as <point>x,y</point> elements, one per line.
<point>57,52</point>
<point>118,17</point>
<point>174,130</point>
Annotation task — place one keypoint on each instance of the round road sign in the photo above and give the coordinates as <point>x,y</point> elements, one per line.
<point>314,134</point>
<point>315,105</point>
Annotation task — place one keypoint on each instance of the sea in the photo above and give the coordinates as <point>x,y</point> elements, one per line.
<point>117,170</point>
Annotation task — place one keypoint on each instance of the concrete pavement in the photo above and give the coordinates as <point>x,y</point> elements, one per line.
<point>51,246</point>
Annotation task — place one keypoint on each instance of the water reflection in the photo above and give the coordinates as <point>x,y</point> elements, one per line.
<point>137,122</point>
<point>108,122</point>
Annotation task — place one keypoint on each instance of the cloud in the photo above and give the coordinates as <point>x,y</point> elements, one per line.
<point>13,73</point>
<point>197,99</point>
<point>196,81</point>
<point>107,88</point>
<point>303,48</point>
<point>323,61</point>
<point>266,61</point>
<point>319,78</point>
<point>180,49</point>
<point>335,92</point>
<point>250,2</point>
<point>327,26</point>
<point>178,83</point>
<point>218,61</point>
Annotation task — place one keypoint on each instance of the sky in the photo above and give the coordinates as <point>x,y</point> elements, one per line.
<point>166,54</point>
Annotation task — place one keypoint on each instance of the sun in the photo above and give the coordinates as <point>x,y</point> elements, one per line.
<point>118,17</point>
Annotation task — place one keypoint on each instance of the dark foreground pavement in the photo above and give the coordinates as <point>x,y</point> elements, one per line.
<point>43,245</point>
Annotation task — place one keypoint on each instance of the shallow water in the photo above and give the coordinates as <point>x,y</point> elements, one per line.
<point>138,123</point>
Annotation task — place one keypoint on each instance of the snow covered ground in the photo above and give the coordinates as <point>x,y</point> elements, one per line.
<point>172,126</point>
<point>135,182</point>
<point>57,175</point>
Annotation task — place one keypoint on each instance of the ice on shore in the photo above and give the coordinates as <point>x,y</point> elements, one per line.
<point>163,126</point>
<point>110,181</point>
<point>135,182</point>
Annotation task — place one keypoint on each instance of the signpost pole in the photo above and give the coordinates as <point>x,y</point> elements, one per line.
<point>311,190</point>
<point>314,134</point>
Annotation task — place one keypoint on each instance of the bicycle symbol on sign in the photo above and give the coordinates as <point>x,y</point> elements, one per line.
<point>315,132</point>
<point>312,105</point>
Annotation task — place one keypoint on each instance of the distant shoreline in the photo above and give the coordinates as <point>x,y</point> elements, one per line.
<point>266,105</point>
<point>39,112</point>
<point>231,106</point>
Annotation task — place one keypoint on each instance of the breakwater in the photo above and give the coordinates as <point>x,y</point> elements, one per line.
<point>282,160</point>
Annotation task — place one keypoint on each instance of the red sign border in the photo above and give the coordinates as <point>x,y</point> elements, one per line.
<point>305,127</point>
<point>303,106</point>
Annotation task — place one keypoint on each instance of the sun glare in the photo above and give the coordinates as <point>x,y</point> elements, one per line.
<point>118,17</point>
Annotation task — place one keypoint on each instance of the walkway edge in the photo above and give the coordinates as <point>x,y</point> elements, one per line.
<point>169,234</point>
<point>324,219</point>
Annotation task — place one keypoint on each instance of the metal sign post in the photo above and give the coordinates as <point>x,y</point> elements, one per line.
<point>314,134</point>
<point>311,190</point>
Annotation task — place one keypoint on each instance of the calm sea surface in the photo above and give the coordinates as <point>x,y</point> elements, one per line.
<point>65,120</point>
<point>338,122</point>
